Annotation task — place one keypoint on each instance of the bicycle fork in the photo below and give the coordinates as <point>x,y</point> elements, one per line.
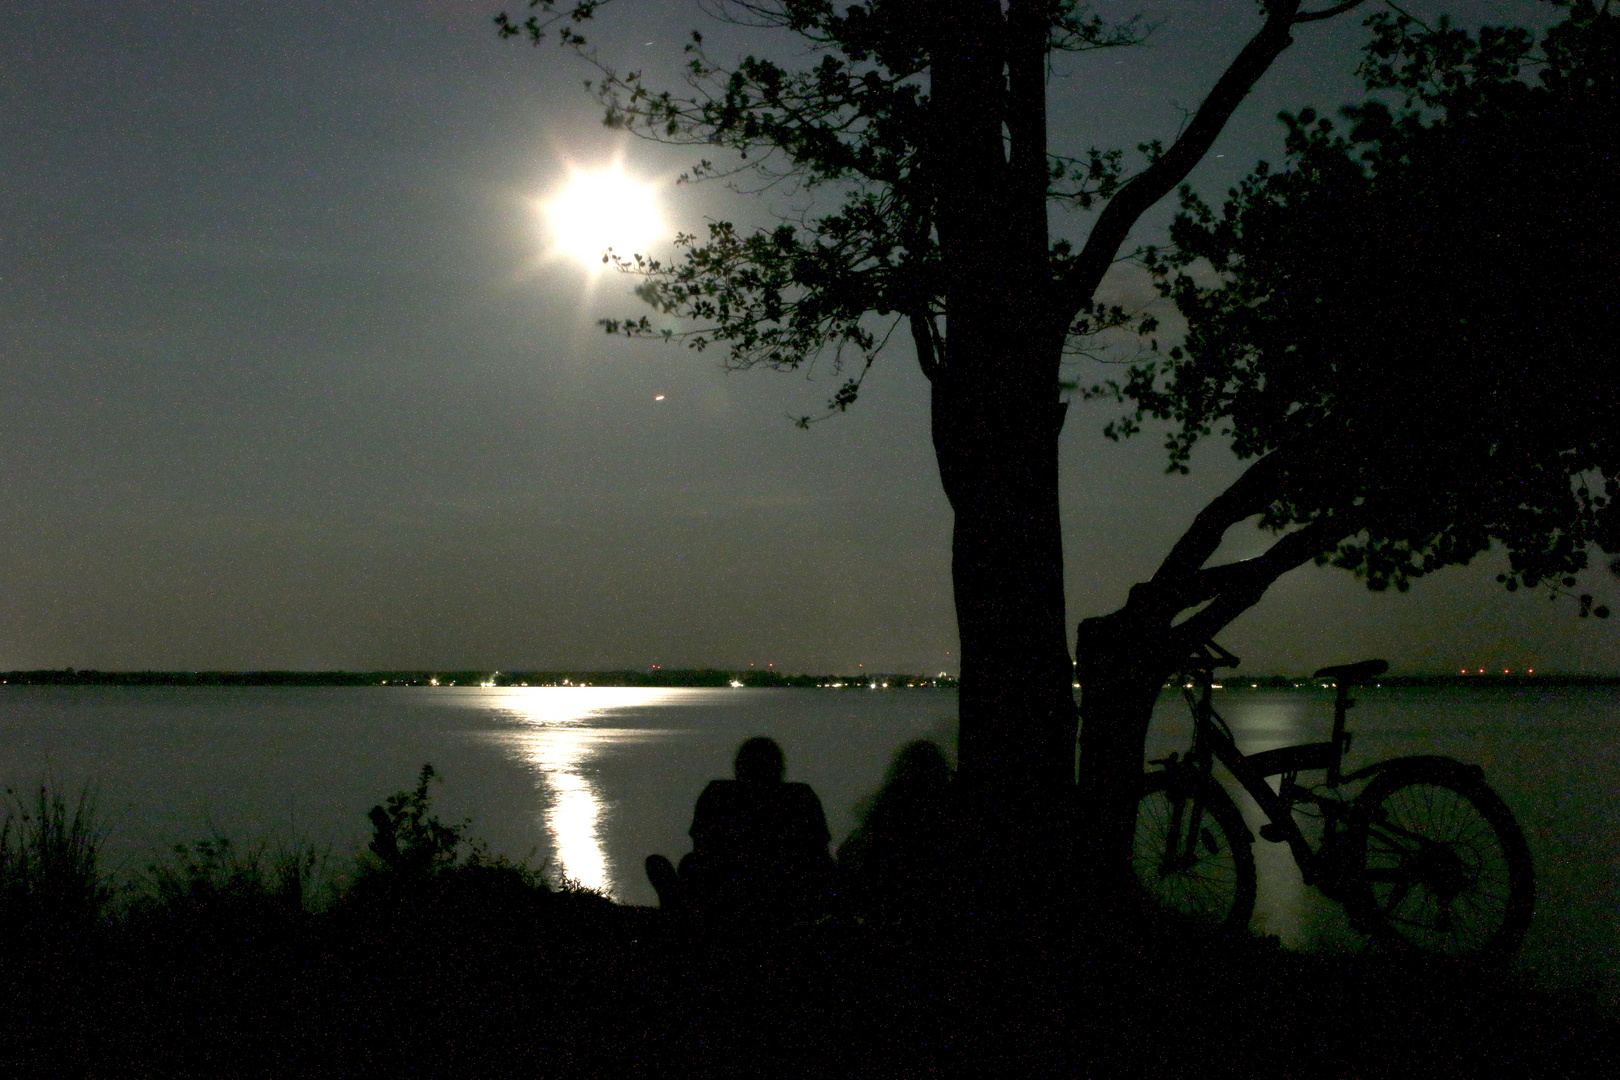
<point>1186,827</point>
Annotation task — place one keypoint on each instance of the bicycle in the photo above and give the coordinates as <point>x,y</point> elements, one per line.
<point>1426,858</point>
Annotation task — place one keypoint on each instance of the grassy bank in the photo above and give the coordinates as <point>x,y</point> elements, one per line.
<point>430,957</point>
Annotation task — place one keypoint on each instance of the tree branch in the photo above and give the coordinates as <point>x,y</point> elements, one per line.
<point>1132,200</point>
<point>1248,495</point>
<point>1329,12</point>
<point>925,333</point>
<point>1237,587</point>
<point>1026,43</point>
<point>564,20</point>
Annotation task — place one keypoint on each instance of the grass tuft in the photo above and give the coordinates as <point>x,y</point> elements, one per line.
<point>50,858</point>
<point>213,875</point>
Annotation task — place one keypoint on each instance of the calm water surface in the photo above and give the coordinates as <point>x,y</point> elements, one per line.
<point>592,779</point>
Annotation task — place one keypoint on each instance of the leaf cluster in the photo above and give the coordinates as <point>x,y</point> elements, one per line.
<point>1417,313</point>
<point>851,123</point>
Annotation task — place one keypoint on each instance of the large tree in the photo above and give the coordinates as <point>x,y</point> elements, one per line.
<point>1412,330</point>
<point>923,126</point>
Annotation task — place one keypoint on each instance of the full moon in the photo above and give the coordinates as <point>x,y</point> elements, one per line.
<point>600,209</point>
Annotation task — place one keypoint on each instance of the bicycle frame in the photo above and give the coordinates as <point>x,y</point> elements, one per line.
<point>1213,739</point>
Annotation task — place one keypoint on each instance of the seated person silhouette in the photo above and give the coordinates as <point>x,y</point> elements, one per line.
<point>759,846</point>
<point>898,865</point>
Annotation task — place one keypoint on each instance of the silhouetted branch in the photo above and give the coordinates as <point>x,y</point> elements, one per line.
<point>1236,587</point>
<point>1079,284</point>
<point>1328,13</point>
<point>1247,496</point>
<point>925,332</point>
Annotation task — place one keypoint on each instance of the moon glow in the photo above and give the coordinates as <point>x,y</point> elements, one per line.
<point>600,209</point>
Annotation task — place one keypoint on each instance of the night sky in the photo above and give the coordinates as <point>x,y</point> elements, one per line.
<point>288,378</point>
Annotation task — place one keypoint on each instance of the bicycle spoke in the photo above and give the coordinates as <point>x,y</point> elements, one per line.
<point>1438,871</point>
<point>1185,857</point>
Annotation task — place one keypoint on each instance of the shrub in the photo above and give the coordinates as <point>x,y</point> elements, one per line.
<point>407,838</point>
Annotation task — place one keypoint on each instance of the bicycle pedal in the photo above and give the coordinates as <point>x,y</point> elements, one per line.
<point>1269,831</point>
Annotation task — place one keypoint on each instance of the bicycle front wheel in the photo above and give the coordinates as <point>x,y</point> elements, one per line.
<point>1444,866</point>
<point>1194,855</point>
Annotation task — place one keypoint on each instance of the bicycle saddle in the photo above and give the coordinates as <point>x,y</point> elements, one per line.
<point>1352,674</point>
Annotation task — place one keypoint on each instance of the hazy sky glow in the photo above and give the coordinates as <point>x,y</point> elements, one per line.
<point>297,371</point>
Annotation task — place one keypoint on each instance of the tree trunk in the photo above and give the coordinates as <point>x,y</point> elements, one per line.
<point>1017,717</point>
<point>996,420</point>
<point>1124,659</point>
<point>996,416</point>
<point>999,466</point>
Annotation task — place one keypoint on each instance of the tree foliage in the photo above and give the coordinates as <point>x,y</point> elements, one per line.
<point>853,127</point>
<point>1413,324</point>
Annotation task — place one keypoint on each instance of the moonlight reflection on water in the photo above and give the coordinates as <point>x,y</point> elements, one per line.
<point>554,738</point>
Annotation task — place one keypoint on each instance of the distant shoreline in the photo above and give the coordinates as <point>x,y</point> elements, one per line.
<point>1509,680</point>
<point>658,678</point>
<point>699,678</point>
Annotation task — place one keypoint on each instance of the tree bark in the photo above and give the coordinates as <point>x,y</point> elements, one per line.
<point>1123,661</point>
<point>1016,711</point>
<point>998,461</point>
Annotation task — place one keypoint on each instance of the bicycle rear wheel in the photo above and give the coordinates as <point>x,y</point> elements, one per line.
<point>1194,856</point>
<point>1445,868</point>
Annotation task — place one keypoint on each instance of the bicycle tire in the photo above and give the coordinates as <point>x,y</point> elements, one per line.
<point>1218,888</point>
<point>1444,869</point>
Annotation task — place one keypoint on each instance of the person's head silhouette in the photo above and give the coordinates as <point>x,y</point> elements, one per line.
<point>919,767</point>
<point>759,759</point>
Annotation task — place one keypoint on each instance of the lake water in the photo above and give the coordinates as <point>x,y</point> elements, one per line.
<point>592,779</point>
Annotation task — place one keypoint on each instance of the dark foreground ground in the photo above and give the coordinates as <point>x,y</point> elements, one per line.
<point>479,979</point>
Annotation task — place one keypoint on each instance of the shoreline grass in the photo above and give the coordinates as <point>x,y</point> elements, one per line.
<point>435,958</point>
